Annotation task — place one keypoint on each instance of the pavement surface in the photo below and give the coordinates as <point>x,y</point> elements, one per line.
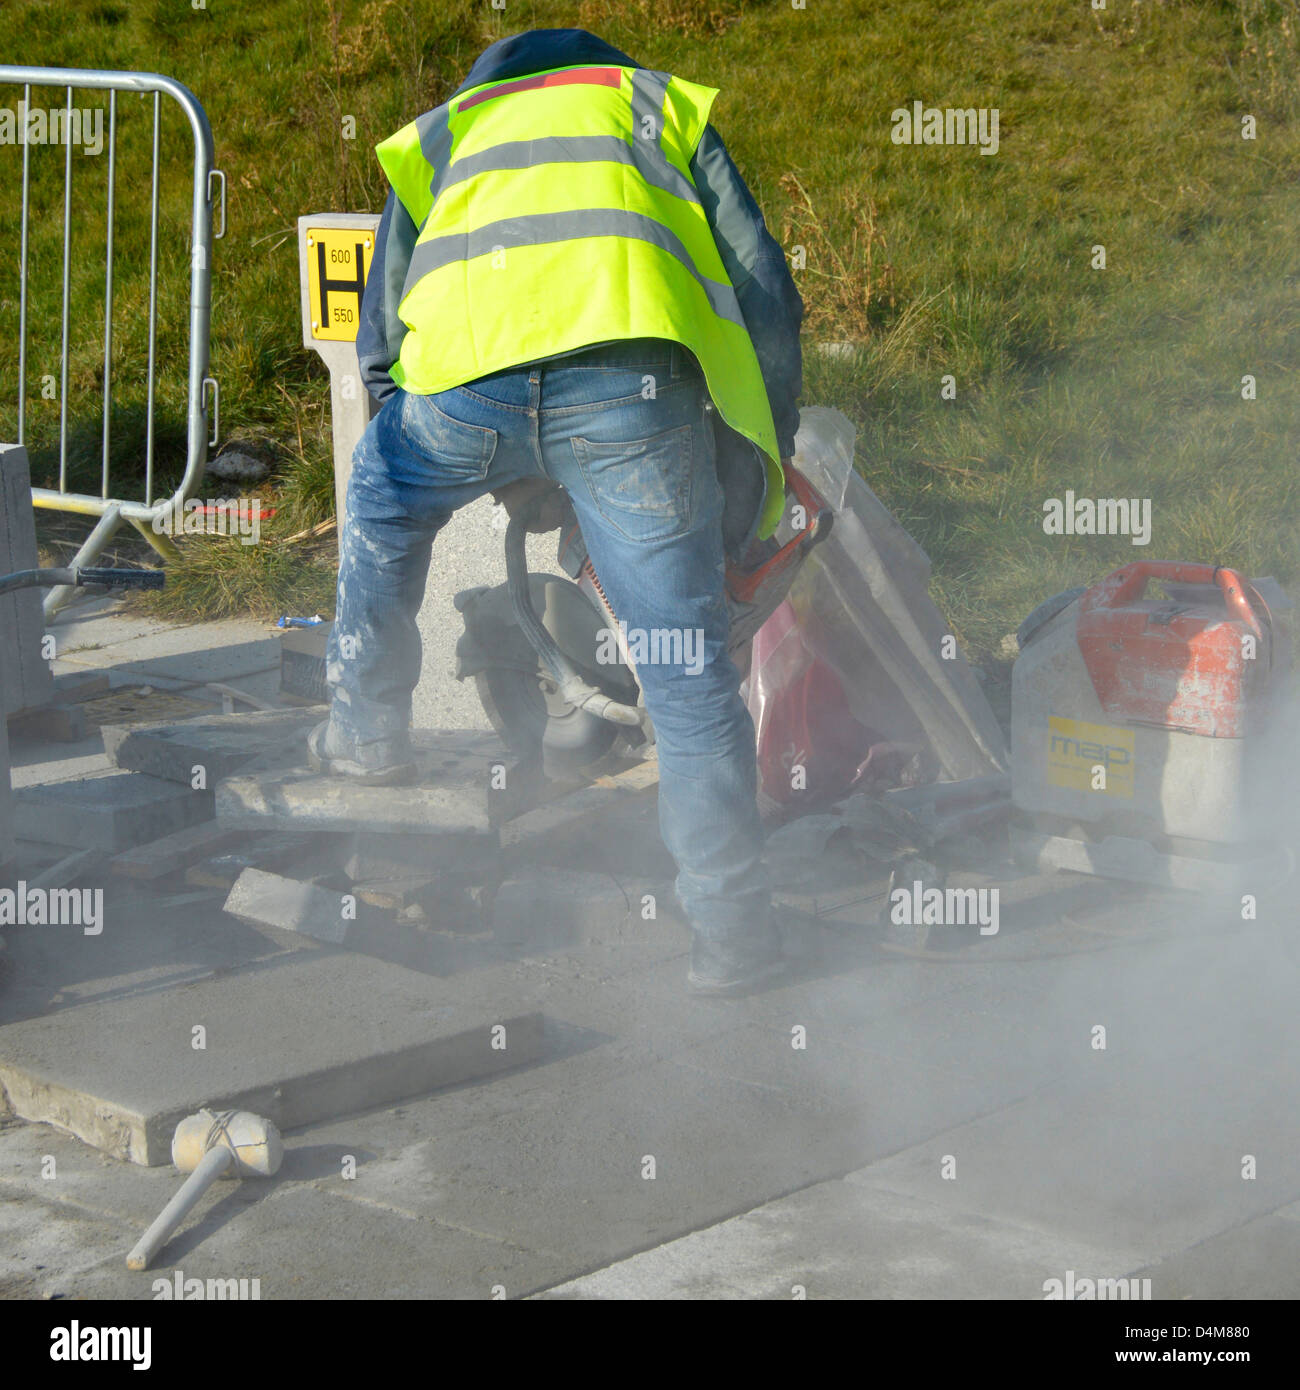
<point>1105,1089</point>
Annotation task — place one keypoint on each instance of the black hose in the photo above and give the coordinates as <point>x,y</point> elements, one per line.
<point>79,578</point>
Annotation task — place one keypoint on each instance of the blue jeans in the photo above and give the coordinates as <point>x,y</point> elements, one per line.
<point>639,469</point>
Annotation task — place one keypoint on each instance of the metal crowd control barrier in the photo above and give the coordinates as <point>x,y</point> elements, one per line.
<point>111,510</point>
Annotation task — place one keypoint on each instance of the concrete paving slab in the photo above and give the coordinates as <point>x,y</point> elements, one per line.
<point>40,763</point>
<point>109,810</point>
<point>1260,1259</point>
<point>147,944</point>
<point>1148,1160</point>
<point>221,744</point>
<point>58,1168</point>
<point>44,1241</point>
<point>900,1104</point>
<point>575,1178</point>
<point>296,1040</point>
<point>834,1241</point>
<point>138,646</point>
<point>299,1242</point>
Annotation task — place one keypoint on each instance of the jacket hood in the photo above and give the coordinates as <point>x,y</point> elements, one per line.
<point>536,50</point>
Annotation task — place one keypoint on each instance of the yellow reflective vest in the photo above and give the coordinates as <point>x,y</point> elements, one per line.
<point>556,211</point>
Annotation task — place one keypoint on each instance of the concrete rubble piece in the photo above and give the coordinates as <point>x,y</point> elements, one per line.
<point>222,744</point>
<point>110,810</point>
<point>455,793</point>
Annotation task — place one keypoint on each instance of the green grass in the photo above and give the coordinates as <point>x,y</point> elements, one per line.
<point>1120,128</point>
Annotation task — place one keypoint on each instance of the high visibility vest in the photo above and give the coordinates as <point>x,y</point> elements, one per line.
<point>557,211</point>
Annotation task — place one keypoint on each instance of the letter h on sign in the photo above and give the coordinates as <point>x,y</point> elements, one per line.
<point>355,285</point>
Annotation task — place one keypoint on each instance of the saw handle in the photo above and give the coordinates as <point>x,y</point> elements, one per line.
<point>819,515</point>
<point>1128,584</point>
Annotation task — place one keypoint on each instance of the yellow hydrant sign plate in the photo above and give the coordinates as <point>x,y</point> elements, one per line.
<point>338,261</point>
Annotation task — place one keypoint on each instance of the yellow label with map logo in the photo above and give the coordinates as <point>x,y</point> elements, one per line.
<point>1089,757</point>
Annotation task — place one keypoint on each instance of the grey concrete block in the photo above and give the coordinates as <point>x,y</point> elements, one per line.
<point>270,900</point>
<point>458,801</point>
<point>307,1037</point>
<point>295,801</point>
<point>25,677</point>
<point>111,810</point>
<point>222,744</point>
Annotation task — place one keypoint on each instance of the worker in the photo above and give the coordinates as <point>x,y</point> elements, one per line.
<point>572,282</point>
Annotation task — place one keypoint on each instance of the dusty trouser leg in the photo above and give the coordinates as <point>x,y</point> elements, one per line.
<point>420,459</point>
<point>374,650</point>
<point>643,482</point>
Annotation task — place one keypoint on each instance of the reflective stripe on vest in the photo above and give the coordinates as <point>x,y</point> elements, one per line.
<point>512,226</point>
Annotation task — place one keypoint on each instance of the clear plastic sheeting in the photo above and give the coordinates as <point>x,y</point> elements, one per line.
<point>848,684</point>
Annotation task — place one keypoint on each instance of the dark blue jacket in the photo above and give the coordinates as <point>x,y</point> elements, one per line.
<point>754,261</point>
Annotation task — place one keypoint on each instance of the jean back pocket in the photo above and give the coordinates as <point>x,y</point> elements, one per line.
<point>642,488</point>
<point>461,452</point>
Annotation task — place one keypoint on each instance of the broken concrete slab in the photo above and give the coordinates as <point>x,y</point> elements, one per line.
<point>221,744</point>
<point>175,852</point>
<point>111,810</point>
<point>279,850</point>
<point>303,1038</point>
<point>357,923</point>
<point>467,784</point>
<point>460,800</point>
<point>271,900</point>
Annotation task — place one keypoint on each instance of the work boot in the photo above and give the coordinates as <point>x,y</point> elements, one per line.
<point>383,762</point>
<point>729,968</point>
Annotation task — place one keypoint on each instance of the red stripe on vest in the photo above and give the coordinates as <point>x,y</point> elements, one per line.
<point>592,77</point>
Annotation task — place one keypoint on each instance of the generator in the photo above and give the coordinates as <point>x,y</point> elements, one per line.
<point>1144,729</point>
